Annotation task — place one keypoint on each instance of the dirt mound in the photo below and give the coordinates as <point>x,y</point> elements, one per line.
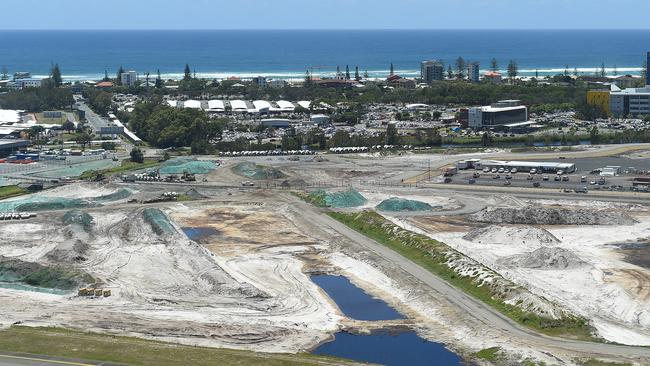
<point>495,234</point>
<point>546,258</point>
<point>552,216</point>
<point>34,274</point>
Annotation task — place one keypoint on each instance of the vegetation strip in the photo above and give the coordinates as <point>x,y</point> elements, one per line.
<point>11,191</point>
<point>91,346</point>
<point>434,256</point>
<point>125,166</point>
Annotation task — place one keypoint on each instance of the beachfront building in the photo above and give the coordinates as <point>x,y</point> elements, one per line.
<point>25,83</point>
<point>259,81</point>
<point>399,82</point>
<point>278,83</point>
<point>473,71</point>
<point>504,113</point>
<point>129,78</point>
<point>432,70</point>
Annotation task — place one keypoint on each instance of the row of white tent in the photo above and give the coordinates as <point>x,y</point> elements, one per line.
<point>240,106</point>
<point>358,149</point>
<point>267,152</point>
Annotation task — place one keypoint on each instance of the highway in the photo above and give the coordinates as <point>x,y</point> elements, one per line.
<point>482,313</point>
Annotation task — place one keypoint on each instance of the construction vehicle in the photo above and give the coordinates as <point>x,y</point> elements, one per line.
<point>188,177</point>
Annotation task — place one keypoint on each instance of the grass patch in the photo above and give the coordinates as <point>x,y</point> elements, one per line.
<point>11,191</point>
<point>434,255</point>
<point>595,362</point>
<point>52,121</point>
<point>125,166</point>
<point>489,354</point>
<point>91,346</point>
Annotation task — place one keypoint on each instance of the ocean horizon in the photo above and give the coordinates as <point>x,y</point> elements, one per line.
<point>288,54</point>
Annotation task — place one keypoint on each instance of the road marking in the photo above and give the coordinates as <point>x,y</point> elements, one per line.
<point>48,361</point>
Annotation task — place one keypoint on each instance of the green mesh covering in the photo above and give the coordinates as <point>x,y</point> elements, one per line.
<point>120,194</point>
<point>345,199</point>
<point>158,221</point>
<point>78,217</point>
<point>41,203</point>
<point>395,204</point>
<point>257,172</point>
<point>189,165</point>
<point>22,275</point>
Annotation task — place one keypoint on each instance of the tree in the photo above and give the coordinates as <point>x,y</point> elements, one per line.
<point>615,71</point>
<point>347,72</point>
<point>594,135</point>
<point>644,70</point>
<point>159,81</point>
<point>365,74</point>
<point>56,76</point>
<point>84,138</point>
<point>68,125</point>
<point>106,78</point>
<point>460,68</point>
<point>136,155</point>
<point>357,77</point>
<point>120,71</point>
<point>575,71</point>
<point>494,65</point>
<point>4,74</point>
<point>603,71</point>
<point>513,70</point>
<point>566,70</point>
<point>392,69</point>
<point>187,74</point>
<point>486,139</point>
<point>392,138</point>
<point>307,78</point>
<point>450,72</point>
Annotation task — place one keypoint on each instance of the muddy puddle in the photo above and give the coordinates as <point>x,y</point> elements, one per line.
<point>200,234</point>
<point>635,253</point>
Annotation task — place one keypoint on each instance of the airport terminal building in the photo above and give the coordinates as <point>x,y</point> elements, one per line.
<point>521,166</point>
<point>502,113</point>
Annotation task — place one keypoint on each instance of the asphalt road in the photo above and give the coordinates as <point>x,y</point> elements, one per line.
<point>95,121</point>
<point>475,308</point>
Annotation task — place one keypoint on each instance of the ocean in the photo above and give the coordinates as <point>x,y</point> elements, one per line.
<point>84,55</point>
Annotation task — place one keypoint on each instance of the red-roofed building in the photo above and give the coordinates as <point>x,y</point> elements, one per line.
<point>399,82</point>
<point>493,77</point>
<point>104,85</point>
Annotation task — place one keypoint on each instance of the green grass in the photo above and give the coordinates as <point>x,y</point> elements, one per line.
<point>125,166</point>
<point>433,255</point>
<point>489,354</point>
<point>11,191</point>
<point>595,362</point>
<point>91,346</point>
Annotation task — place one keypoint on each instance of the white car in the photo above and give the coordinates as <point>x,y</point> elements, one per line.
<point>486,170</point>
<point>501,170</point>
<point>533,171</point>
<point>513,171</point>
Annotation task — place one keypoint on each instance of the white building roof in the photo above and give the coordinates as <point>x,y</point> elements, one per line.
<point>501,109</point>
<point>216,105</point>
<point>633,91</point>
<point>305,104</point>
<point>238,106</point>
<point>194,104</point>
<point>172,103</point>
<point>261,105</point>
<point>9,116</point>
<point>529,164</point>
<point>286,106</point>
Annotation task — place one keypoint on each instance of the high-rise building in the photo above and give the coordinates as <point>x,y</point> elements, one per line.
<point>129,78</point>
<point>647,76</point>
<point>473,72</point>
<point>432,70</point>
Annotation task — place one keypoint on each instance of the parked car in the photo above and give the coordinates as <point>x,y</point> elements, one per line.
<point>513,171</point>
<point>533,171</point>
<point>529,177</point>
<point>545,177</point>
<point>565,178</point>
<point>472,181</point>
<point>536,184</point>
<point>507,183</point>
<point>557,178</point>
<point>496,177</point>
<point>583,179</point>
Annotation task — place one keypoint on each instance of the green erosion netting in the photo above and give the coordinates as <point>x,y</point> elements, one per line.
<point>395,204</point>
<point>345,199</point>
<point>78,217</point>
<point>77,169</point>
<point>158,221</point>
<point>120,194</point>
<point>41,203</point>
<point>44,203</point>
<point>257,172</point>
<point>190,165</point>
<point>15,272</point>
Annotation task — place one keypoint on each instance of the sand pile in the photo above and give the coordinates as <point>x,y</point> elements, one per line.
<point>552,216</point>
<point>545,258</point>
<point>528,235</point>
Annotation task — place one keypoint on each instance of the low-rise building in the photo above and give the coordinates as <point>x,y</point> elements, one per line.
<point>399,82</point>
<point>498,114</point>
<point>599,98</point>
<point>493,77</point>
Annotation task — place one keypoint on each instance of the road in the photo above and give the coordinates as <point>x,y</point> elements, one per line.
<point>23,359</point>
<point>474,308</point>
<point>95,121</point>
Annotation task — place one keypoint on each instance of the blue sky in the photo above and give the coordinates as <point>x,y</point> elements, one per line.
<point>324,14</point>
